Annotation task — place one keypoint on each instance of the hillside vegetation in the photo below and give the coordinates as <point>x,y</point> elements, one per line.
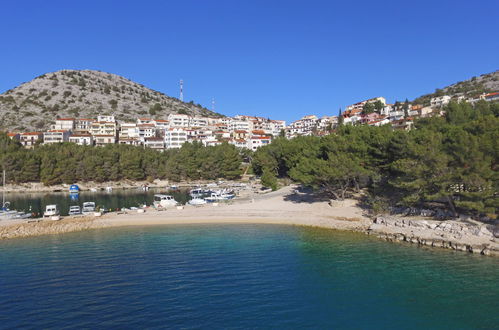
<point>449,163</point>
<point>85,94</point>
<point>473,87</point>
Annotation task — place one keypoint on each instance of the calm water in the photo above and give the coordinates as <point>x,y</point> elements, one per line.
<point>118,198</point>
<point>241,276</point>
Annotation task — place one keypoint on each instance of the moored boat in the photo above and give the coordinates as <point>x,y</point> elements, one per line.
<point>88,208</point>
<point>161,200</point>
<point>74,210</point>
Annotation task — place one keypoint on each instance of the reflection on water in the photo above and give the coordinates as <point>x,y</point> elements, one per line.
<point>118,198</point>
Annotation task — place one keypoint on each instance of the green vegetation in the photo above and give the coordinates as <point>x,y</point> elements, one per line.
<point>68,163</point>
<point>449,163</point>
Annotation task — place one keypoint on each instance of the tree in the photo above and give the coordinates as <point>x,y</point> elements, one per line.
<point>269,179</point>
<point>378,106</point>
<point>368,108</point>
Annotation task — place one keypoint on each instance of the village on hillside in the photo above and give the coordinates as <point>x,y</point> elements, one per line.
<point>242,131</point>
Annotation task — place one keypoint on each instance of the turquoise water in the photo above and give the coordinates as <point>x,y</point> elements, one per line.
<point>241,276</point>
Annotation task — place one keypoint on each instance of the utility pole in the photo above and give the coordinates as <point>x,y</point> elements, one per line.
<point>181,90</point>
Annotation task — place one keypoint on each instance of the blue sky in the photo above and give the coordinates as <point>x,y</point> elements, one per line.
<point>278,59</point>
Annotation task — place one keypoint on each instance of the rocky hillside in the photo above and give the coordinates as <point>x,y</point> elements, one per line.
<point>85,94</point>
<point>485,83</point>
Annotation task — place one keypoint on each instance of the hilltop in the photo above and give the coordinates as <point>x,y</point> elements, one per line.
<point>85,94</point>
<point>473,87</point>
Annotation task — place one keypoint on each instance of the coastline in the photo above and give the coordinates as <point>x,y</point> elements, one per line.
<point>286,206</point>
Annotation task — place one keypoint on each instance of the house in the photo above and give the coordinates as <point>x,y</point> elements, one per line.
<point>106,118</point>
<point>161,124</point>
<point>56,136</point>
<point>178,120</point>
<point>438,102</point>
<point>155,143</point>
<point>256,142</point>
<point>130,141</point>
<point>104,132</point>
<point>103,139</point>
<point>146,131</point>
<point>83,125</point>
<point>175,137</point>
<point>64,124</point>
<point>128,130</point>
<point>29,139</point>
<point>82,139</point>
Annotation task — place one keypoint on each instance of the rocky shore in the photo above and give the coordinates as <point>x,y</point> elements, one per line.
<point>470,236</point>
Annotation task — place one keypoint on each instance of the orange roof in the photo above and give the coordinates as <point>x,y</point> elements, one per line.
<point>161,121</point>
<point>56,131</point>
<point>12,134</point>
<point>32,133</point>
<point>65,119</point>
<point>85,119</point>
<point>240,131</point>
<point>259,132</point>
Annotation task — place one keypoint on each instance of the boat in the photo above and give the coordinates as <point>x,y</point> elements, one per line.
<point>220,195</point>
<point>74,210</point>
<point>88,208</point>
<point>74,189</point>
<point>199,193</point>
<point>197,201</point>
<point>161,200</point>
<point>109,189</point>
<point>51,211</point>
<point>173,187</point>
<point>5,212</point>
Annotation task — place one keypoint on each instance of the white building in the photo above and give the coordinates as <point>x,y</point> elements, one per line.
<point>105,118</point>
<point>55,136</point>
<point>64,124</point>
<point>437,102</point>
<point>82,139</point>
<point>177,120</point>
<point>175,137</point>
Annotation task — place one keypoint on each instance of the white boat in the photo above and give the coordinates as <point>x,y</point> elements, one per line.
<point>220,196</point>
<point>199,193</point>
<point>51,211</point>
<point>197,201</point>
<point>161,200</point>
<point>109,189</point>
<point>74,210</point>
<point>88,208</point>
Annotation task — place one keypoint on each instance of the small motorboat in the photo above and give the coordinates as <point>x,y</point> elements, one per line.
<point>74,210</point>
<point>161,200</point>
<point>51,211</point>
<point>74,189</point>
<point>88,208</point>
<point>197,201</point>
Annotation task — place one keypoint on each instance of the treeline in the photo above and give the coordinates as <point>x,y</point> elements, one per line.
<point>69,163</point>
<point>449,162</point>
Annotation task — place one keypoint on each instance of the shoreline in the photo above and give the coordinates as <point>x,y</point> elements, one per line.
<point>286,206</point>
<point>39,187</point>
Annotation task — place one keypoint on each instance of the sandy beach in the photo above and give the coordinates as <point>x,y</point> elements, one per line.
<point>287,206</point>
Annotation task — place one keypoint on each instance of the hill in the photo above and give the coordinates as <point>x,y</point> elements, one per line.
<point>85,94</point>
<point>475,86</point>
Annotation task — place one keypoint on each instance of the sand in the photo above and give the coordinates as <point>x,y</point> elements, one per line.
<point>285,206</point>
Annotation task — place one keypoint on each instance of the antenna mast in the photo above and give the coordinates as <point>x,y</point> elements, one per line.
<point>181,90</point>
<point>213,104</point>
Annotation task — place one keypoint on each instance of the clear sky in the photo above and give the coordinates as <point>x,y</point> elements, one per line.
<point>277,59</point>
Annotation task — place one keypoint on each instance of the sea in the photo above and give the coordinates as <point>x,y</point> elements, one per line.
<point>241,277</point>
